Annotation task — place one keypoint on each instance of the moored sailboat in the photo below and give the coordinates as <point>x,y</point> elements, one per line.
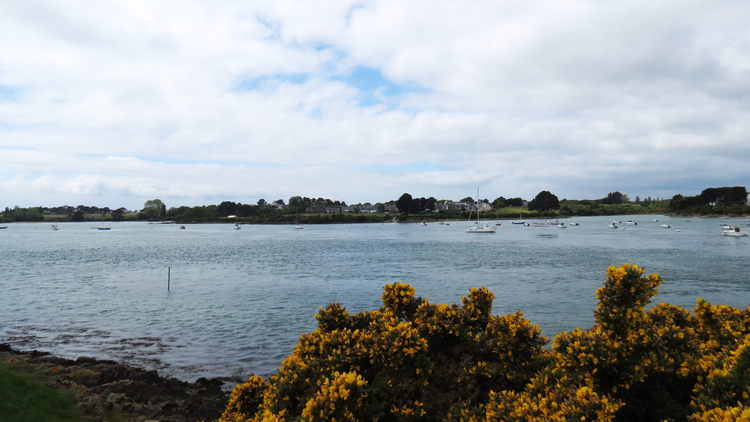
<point>479,227</point>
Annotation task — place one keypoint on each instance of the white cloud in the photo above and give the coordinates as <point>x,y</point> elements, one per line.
<point>248,99</point>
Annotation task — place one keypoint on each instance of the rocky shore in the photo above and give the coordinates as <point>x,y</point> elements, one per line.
<point>138,395</point>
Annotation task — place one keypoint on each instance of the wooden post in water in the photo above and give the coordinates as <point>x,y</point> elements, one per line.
<point>169,276</point>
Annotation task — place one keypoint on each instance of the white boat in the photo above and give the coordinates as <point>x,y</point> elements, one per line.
<point>298,226</point>
<point>479,227</point>
<point>575,224</point>
<point>423,223</point>
<point>519,220</point>
<point>656,220</point>
<point>525,224</point>
<point>541,224</point>
<point>3,226</point>
<point>667,226</point>
<point>631,223</point>
<point>562,226</point>
<point>237,226</point>
<point>735,232</point>
<point>182,227</point>
<point>613,225</point>
<point>54,227</point>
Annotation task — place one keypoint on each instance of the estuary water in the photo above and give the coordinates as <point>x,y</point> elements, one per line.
<point>240,299</point>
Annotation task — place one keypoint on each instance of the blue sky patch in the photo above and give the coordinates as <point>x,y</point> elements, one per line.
<point>18,148</point>
<point>8,93</point>
<point>373,87</point>
<point>260,82</point>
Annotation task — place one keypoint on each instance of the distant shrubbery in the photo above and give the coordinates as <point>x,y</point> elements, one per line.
<point>412,360</point>
<point>713,201</point>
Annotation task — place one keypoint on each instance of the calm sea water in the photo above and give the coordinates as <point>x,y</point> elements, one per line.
<point>240,299</point>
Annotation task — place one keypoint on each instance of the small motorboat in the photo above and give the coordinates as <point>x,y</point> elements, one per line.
<point>613,225</point>
<point>562,226</point>
<point>497,224</point>
<point>575,224</point>
<point>424,223</point>
<point>182,227</point>
<point>298,226</point>
<point>667,226</point>
<point>631,223</point>
<point>735,232</point>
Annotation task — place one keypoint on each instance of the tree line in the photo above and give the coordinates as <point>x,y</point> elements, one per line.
<point>712,201</point>
<point>726,200</point>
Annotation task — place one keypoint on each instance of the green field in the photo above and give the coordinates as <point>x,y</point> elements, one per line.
<point>24,398</point>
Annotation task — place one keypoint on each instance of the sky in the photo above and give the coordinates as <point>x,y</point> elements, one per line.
<point>194,102</point>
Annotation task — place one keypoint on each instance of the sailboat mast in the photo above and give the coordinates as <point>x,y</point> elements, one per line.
<point>476,203</point>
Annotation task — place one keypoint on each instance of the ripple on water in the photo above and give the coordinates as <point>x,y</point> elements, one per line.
<point>239,300</point>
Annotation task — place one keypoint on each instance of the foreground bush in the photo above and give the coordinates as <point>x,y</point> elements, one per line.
<point>416,361</point>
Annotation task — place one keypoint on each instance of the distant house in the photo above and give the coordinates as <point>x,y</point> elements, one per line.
<point>278,204</point>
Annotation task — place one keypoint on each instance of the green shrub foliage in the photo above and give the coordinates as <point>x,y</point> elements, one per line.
<point>412,360</point>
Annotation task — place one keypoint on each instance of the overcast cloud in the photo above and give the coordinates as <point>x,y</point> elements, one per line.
<point>112,103</point>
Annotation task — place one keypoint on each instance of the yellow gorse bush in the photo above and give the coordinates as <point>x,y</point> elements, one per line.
<point>415,361</point>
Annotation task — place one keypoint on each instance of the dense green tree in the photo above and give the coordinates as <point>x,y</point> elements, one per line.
<point>544,201</point>
<point>261,202</point>
<point>499,203</point>
<point>153,208</point>
<point>468,200</point>
<point>32,214</point>
<point>514,202</point>
<point>227,208</point>
<point>418,205</point>
<point>404,203</point>
<point>725,195</point>
<point>615,198</point>
<point>78,216</point>
<point>118,214</point>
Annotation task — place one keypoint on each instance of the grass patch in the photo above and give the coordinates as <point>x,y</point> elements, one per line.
<point>24,399</point>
